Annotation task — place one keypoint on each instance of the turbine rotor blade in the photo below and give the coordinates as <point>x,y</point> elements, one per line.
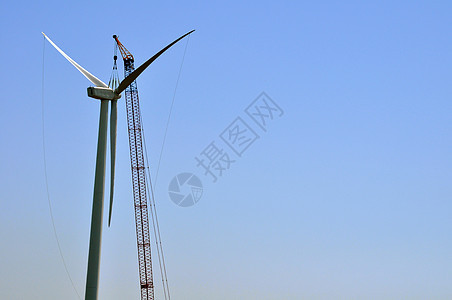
<point>96,81</point>
<point>113,126</point>
<point>129,79</point>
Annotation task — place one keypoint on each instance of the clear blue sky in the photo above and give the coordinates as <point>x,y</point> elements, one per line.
<point>346,196</point>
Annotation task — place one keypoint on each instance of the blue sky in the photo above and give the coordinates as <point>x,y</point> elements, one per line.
<point>346,196</point>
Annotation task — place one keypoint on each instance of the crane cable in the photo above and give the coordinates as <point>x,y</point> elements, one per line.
<point>150,187</point>
<point>114,77</point>
<point>171,111</point>
<point>46,177</point>
<point>155,226</point>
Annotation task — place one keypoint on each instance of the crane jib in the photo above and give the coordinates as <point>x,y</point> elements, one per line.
<point>129,86</point>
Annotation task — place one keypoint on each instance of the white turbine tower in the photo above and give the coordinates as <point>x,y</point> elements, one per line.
<point>105,94</point>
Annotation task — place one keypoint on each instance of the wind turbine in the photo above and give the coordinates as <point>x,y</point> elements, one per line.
<point>105,94</point>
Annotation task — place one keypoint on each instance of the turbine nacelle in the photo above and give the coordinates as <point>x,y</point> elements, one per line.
<point>102,93</point>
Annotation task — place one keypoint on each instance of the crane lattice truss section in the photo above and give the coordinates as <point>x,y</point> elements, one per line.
<point>138,178</point>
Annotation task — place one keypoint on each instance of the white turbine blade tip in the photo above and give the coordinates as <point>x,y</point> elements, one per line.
<point>96,81</point>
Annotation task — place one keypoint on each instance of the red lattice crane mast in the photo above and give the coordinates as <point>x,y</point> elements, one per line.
<point>139,173</point>
<point>138,177</point>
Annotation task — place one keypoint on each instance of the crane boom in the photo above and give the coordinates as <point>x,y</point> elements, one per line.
<point>138,178</point>
<point>129,86</point>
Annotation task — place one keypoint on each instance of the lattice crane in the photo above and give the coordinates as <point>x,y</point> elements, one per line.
<point>138,177</point>
<point>138,169</point>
